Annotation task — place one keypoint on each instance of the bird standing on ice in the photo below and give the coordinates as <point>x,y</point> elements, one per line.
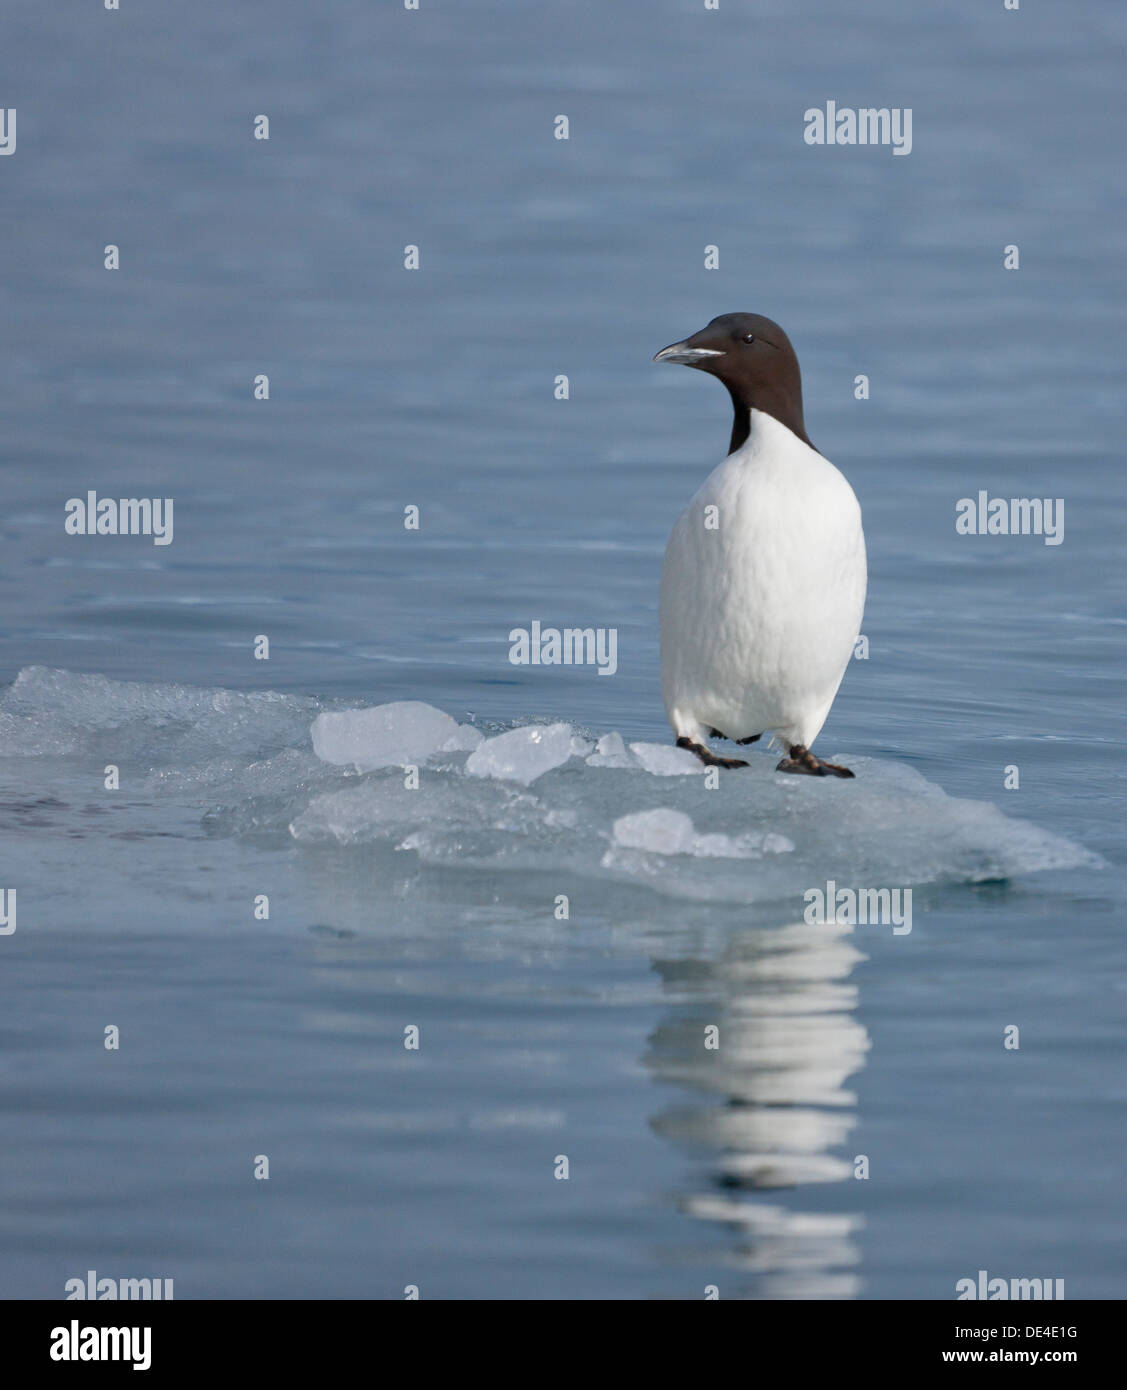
<point>763,585</point>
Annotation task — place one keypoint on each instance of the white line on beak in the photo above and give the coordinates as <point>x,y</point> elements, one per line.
<point>679,352</point>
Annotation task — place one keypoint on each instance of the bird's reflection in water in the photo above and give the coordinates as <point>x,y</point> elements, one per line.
<point>772,1110</point>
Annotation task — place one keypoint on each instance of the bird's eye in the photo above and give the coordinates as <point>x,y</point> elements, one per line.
<point>749,337</point>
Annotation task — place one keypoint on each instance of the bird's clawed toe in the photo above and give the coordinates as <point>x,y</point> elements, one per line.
<point>707,756</point>
<point>801,760</point>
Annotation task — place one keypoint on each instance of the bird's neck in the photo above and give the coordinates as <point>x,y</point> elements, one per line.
<point>782,406</point>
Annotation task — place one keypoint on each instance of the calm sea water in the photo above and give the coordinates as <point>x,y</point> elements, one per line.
<point>542,1037</point>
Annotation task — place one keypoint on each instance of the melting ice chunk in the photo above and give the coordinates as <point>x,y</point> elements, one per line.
<point>777,844</point>
<point>664,831</point>
<point>661,831</point>
<point>405,731</point>
<point>663,760</point>
<point>610,751</point>
<point>522,755</point>
<point>463,740</point>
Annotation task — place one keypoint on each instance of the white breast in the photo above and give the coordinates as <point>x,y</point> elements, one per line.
<point>762,593</point>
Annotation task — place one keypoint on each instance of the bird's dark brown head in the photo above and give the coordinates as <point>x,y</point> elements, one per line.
<point>753,357</point>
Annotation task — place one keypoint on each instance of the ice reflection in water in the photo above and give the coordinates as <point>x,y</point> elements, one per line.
<point>788,1043</point>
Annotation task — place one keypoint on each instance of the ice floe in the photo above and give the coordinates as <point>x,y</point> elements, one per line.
<point>409,778</point>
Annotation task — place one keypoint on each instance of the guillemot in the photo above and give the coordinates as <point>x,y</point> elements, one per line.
<point>764,579</point>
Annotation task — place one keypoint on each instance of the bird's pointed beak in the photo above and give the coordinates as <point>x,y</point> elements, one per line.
<point>686,355</point>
